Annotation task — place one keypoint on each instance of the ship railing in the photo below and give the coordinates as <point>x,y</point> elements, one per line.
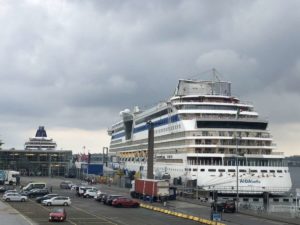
<point>221,117</point>
<point>277,153</point>
<point>248,190</point>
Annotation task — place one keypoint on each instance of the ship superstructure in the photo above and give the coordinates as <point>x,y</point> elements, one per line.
<point>205,135</point>
<point>40,141</point>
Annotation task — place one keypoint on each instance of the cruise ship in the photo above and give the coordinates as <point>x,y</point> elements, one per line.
<point>40,141</point>
<point>203,136</point>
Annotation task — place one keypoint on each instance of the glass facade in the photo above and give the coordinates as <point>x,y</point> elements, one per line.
<point>36,162</point>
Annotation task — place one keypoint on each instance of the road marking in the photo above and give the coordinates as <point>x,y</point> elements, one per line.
<point>93,214</point>
<point>71,221</point>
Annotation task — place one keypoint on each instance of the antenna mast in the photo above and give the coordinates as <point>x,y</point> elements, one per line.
<point>215,72</point>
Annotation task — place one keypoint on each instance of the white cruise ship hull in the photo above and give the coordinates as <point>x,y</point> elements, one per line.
<point>275,180</point>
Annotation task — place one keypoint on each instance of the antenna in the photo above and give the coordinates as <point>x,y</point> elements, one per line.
<point>215,72</point>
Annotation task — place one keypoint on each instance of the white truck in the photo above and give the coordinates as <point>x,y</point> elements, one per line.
<point>11,177</point>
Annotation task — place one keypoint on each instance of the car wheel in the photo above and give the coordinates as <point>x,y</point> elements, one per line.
<point>49,203</point>
<point>7,199</point>
<point>136,206</point>
<point>65,204</point>
<point>22,199</point>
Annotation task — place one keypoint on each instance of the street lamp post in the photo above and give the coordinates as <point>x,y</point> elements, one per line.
<point>237,173</point>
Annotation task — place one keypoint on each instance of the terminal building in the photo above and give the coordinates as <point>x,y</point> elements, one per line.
<point>38,158</point>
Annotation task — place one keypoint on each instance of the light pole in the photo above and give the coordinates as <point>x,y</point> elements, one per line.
<point>104,155</point>
<point>237,172</point>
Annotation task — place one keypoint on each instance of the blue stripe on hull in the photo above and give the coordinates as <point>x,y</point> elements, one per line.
<point>161,122</point>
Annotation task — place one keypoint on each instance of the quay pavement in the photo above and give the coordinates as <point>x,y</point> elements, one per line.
<point>10,216</point>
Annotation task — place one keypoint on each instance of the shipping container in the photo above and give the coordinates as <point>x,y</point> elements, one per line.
<point>154,189</point>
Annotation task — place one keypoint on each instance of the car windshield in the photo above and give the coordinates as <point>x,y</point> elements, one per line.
<point>57,210</point>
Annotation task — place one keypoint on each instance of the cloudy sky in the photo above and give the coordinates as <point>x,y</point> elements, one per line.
<point>72,66</point>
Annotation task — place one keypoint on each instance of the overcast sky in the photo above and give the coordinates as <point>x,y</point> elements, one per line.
<point>72,66</point>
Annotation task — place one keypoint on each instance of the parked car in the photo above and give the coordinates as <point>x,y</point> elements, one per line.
<point>125,202</point>
<point>34,185</point>
<point>57,214</point>
<point>223,206</point>
<point>37,192</point>
<point>73,187</point>
<point>110,198</point>
<point>229,206</point>
<point>6,188</point>
<point>83,189</point>
<point>99,196</point>
<point>45,197</point>
<point>58,200</point>
<point>66,184</point>
<point>104,198</point>
<point>90,193</point>
<point>14,197</point>
<point>10,191</point>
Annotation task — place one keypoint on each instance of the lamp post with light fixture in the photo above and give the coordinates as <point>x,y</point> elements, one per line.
<point>237,171</point>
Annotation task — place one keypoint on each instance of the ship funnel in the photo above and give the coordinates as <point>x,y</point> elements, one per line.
<point>136,109</point>
<point>125,111</point>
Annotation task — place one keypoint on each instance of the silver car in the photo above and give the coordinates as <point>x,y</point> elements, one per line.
<point>14,197</point>
<point>59,200</point>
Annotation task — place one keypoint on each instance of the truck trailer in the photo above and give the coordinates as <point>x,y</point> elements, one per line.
<point>156,190</point>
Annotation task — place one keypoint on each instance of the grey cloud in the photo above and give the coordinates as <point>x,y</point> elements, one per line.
<point>77,64</point>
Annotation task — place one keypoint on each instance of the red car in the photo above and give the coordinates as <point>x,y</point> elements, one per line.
<point>125,202</point>
<point>58,214</point>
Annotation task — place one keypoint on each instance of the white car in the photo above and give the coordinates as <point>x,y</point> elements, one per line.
<point>83,189</point>
<point>10,191</point>
<point>73,187</point>
<point>58,200</point>
<point>90,193</point>
<point>14,197</point>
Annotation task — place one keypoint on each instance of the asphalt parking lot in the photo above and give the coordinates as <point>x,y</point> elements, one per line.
<point>88,211</point>
<point>84,211</point>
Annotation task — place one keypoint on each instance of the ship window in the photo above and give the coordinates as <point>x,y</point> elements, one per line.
<point>246,200</point>
<point>202,170</point>
<point>190,169</point>
<point>286,200</point>
<point>211,170</point>
<point>232,124</point>
<point>221,170</point>
<point>279,171</point>
<point>231,171</point>
<point>194,169</point>
<point>272,171</point>
<point>256,200</point>
<point>275,200</point>
<point>242,171</point>
<point>264,171</point>
<point>253,171</point>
